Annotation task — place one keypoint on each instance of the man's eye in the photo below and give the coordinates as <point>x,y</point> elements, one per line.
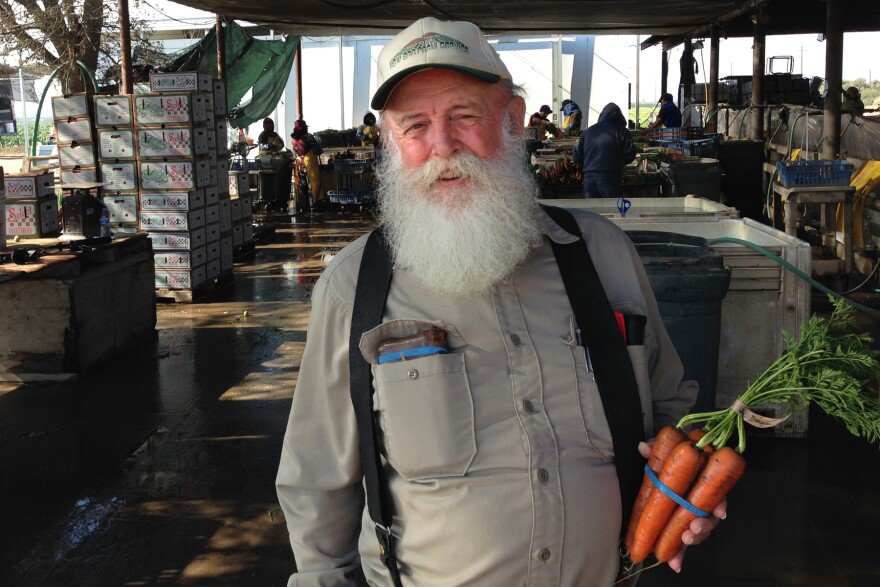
<point>415,127</point>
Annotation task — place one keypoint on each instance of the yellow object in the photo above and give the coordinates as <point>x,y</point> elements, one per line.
<point>866,179</point>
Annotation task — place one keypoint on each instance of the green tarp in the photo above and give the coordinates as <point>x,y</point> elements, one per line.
<point>251,64</point>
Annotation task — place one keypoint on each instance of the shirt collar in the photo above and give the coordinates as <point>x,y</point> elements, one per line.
<point>553,231</point>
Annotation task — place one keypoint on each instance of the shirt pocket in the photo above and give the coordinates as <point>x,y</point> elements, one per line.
<point>425,407</point>
<point>593,412</point>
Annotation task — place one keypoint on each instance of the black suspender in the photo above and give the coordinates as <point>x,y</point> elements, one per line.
<point>612,368</point>
<point>374,279</point>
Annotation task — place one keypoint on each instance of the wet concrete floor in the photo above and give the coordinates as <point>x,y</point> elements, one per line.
<point>158,468</point>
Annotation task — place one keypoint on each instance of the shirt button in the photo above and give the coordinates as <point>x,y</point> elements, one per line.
<point>528,406</point>
<point>515,339</point>
<point>412,374</point>
<point>544,554</point>
<point>543,475</point>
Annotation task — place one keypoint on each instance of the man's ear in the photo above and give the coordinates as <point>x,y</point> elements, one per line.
<point>516,108</point>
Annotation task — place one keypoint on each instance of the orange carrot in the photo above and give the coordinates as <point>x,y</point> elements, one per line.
<point>678,471</point>
<point>666,440</point>
<point>724,469</point>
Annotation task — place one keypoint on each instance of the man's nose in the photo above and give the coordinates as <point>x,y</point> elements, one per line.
<point>445,140</point>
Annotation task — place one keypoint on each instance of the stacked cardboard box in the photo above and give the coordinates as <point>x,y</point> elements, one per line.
<point>180,153</point>
<point>31,206</point>
<point>3,208</point>
<point>117,149</point>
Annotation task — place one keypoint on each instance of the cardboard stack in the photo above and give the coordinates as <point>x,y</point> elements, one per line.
<point>117,166</point>
<point>181,153</point>
<point>2,207</point>
<point>31,206</point>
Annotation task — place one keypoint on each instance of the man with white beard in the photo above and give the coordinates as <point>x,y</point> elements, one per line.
<point>497,460</point>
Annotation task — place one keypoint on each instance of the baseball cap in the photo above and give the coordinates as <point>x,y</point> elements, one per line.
<point>431,43</point>
<point>544,108</point>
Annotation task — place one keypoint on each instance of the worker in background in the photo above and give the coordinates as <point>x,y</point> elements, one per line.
<point>539,120</point>
<point>852,101</point>
<point>669,115</point>
<point>368,132</point>
<point>306,171</point>
<point>602,151</point>
<point>572,118</point>
<point>269,141</point>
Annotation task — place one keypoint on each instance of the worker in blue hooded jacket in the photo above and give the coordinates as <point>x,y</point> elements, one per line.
<point>602,151</point>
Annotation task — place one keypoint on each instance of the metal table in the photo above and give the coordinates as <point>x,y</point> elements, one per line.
<point>827,197</point>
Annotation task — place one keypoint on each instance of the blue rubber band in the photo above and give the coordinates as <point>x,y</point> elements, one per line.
<point>411,353</point>
<point>674,496</point>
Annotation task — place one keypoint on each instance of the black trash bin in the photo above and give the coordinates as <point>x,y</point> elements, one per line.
<point>689,281</point>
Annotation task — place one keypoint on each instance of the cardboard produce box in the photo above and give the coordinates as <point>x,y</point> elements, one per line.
<point>181,278</point>
<point>169,109</point>
<point>74,130</point>
<point>77,155</point>
<point>176,175</point>
<point>32,218</point>
<point>113,111</point>
<point>181,241</point>
<point>171,221</point>
<point>179,259</point>
<point>116,144</point>
<point>120,176</point>
<point>123,208</point>
<point>181,81</point>
<point>29,186</point>
<point>70,106</point>
<point>176,201</point>
<point>172,142</point>
<point>79,175</point>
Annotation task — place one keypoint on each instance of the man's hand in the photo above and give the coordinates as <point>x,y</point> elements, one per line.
<point>700,528</point>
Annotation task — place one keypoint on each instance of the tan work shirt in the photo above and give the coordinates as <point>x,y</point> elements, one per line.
<point>499,454</point>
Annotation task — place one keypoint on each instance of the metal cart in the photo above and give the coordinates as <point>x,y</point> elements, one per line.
<point>351,189</point>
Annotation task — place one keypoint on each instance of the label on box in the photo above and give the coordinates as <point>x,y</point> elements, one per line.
<point>122,208</point>
<point>173,175</point>
<point>36,218</point>
<point>181,81</point>
<point>178,240</point>
<point>79,175</point>
<point>29,186</point>
<point>179,259</point>
<point>172,142</point>
<point>81,154</point>
<point>73,105</point>
<point>120,177</point>
<point>113,111</point>
<point>74,131</point>
<point>180,279</point>
<point>178,109</point>
<point>171,221</point>
<point>116,144</point>
<point>238,183</point>
<point>178,201</point>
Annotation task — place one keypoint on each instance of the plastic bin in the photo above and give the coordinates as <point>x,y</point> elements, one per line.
<point>813,173</point>
<point>763,300</point>
<point>651,209</point>
<point>700,177</point>
<point>689,281</point>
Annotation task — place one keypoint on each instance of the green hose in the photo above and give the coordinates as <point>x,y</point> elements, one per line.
<point>786,265</point>
<point>85,71</point>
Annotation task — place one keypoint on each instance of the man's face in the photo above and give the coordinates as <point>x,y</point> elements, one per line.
<point>268,125</point>
<point>299,146</point>
<point>438,114</point>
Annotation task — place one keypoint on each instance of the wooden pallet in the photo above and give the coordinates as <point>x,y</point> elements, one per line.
<point>189,296</point>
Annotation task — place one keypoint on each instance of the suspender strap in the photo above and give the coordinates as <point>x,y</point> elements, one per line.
<point>374,279</point>
<point>613,368</point>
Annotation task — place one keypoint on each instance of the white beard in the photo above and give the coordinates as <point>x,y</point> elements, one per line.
<point>464,242</point>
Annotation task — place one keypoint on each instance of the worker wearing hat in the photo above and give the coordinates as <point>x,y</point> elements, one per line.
<point>306,169</point>
<point>497,460</point>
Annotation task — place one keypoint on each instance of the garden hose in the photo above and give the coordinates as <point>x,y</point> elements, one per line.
<point>786,265</point>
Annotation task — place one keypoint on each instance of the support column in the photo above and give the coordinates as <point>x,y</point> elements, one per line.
<point>664,72</point>
<point>125,79</point>
<point>297,70</point>
<point>758,58</point>
<point>833,80</point>
<point>714,50</point>
<point>221,48</point>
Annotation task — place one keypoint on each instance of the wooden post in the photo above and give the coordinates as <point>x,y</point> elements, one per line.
<point>833,81</point>
<point>125,80</point>
<point>221,48</point>
<point>297,68</point>
<point>664,72</point>
<point>714,50</point>
<point>758,56</point>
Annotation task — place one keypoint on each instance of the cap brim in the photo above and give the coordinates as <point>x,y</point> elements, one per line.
<point>384,92</point>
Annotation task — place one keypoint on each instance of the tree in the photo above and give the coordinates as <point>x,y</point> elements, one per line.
<point>57,34</point>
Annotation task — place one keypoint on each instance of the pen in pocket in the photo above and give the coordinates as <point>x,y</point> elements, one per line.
<point>580,342</point>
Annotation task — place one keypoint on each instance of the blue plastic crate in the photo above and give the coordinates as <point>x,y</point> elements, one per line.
<point>343,196</point>
<point>814,173</point>
<point>349,165</point>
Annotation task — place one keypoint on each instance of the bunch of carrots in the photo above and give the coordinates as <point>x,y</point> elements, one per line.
<point>831,365</point>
